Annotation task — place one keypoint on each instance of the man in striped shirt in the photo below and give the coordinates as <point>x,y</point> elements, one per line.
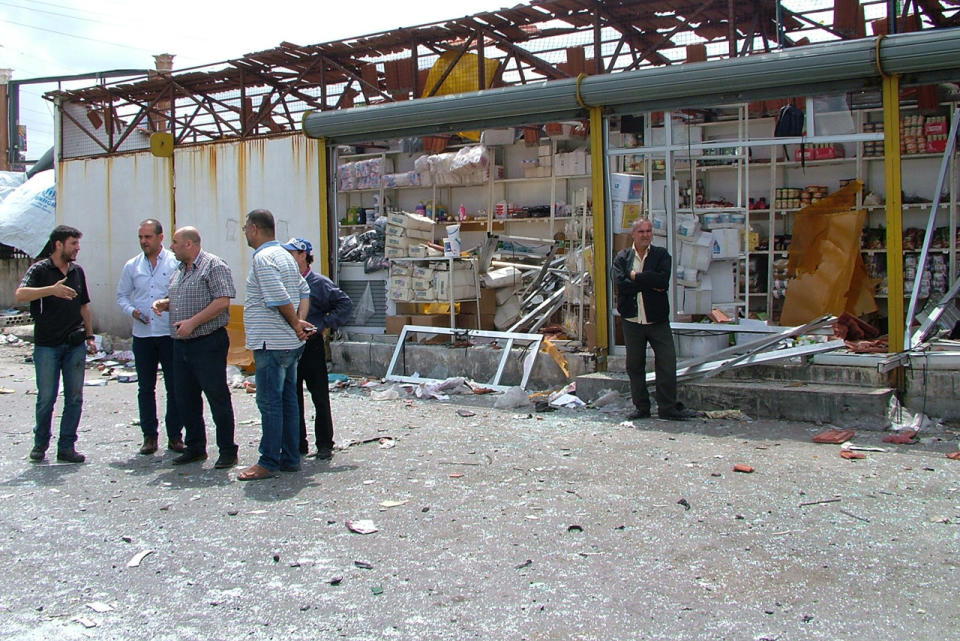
<point>199,306</point>
<point>277,302</point>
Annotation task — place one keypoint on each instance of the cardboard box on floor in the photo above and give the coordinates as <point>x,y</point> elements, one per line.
<point>394,324</point>
<point>469,321</point>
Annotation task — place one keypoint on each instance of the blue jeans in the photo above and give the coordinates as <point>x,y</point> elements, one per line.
<point>277,399</point>
<point>49,363</point>
<point>200,367</point>
<point>148,352</point>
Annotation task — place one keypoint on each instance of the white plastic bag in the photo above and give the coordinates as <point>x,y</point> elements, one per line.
<point>28,215</point>
<point>365,308</point>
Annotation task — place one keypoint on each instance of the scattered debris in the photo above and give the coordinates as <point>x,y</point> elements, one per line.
<point>685,503</point>
<point>137,558</point>
<point>377,590</point>
<point>853,516</point>
<point>6,390</point>
<point>904,437</point>
<point>126,539</point>
<point>363,565</point>
<point>729,415</point>
<point>574,528</point>
<point>362,526</point>
<point>513,397</point>
<point>834,437</point>
<point>954,456</point>
<point>85,622</point>
<point>99,606</point>
<point>746,469</point>
<point>805,503</point>
<point>862,448</point>
<point>388,394</point>
<point>848,454</point>
<point>465,413</point>
<point>389,504</point>
<point>386,443</point>
<point>525,564</point>
<point>335,580</point>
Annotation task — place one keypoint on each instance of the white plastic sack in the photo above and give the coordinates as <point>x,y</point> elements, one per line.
<point>365,309</point>
<point>28,215</point>
<point>9,181</point>
<point>513,397</point>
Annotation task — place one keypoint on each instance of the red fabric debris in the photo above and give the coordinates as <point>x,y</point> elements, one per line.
<point>849,327</point>
<point>954,455</point>
<point>852,455</point>
<point>746,469</point>
<point>834,437</point>
<point>906,437</point>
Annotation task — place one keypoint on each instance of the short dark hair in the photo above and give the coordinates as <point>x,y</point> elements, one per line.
<point>60,233</point>
<point>309,258</point>
<point>262,219</point>
<point>157,227</point>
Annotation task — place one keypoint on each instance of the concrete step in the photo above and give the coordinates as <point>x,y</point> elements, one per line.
<point>862,407</point>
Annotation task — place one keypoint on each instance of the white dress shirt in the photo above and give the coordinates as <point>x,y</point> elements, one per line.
<point>140,284</point>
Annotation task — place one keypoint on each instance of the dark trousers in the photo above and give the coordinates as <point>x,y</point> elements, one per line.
<point>312,370</point>
<point>200,367</point>
<point>660,338</point>
<point>148,352</point>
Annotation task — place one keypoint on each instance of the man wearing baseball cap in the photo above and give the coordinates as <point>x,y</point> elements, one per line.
<point>330,308</point>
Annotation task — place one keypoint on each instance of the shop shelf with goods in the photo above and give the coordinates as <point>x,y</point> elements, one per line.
<point>417,285</point>
<point>923,139</point>
<point>541,187</point>
<point>703,217</point>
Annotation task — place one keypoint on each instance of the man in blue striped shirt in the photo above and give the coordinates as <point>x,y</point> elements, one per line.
<point>276,330</point>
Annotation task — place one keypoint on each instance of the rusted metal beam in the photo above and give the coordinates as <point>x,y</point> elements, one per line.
<point>666,38</point>
<point>356,77</point>
<point>84,129</point>
<point>731,31</point>
<point>541,65</point>
<point>597,37</point>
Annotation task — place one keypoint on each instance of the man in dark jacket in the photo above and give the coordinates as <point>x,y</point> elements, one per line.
<point>642,276</point>
<point>330,309</point>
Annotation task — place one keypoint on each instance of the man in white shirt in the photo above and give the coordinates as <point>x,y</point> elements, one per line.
<point>144,279</point>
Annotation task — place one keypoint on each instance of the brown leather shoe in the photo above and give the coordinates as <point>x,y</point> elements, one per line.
<point>149,446</point>
<point>177,446</point>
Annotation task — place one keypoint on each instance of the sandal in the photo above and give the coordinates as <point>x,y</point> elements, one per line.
<point>255,472</point>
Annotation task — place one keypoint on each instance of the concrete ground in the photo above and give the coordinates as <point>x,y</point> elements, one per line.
<point>505,524</point>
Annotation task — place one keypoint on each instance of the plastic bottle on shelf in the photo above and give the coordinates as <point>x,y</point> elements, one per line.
<point>421,208</point>
<point>429,209</point>
<point>462,212</point>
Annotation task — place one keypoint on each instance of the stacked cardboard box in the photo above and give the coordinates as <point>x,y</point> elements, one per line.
<point>406,231</point>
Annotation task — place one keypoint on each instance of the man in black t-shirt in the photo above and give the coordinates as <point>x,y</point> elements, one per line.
<point>56,289</point>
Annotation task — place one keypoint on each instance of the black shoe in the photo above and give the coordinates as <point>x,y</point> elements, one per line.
<point>224,461</point>
<point>149,446</point>
<point>638,414</point>
<point>189,457</point>
<point>323,454</point>
<point>289,468</point>
<point>70,456</point>
<point>37,453</point>
<point>680,415</point>
<point>177,446</point>
<point>304,448</point>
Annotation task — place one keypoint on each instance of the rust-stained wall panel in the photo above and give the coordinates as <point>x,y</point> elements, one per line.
<point>216,185</point>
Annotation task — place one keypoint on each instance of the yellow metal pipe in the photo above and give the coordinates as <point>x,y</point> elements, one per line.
<point>324,262</point>
<point>597,171</point>
<point>892,169</point>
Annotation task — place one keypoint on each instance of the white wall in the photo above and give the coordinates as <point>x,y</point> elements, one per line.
<point>216,185</point>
